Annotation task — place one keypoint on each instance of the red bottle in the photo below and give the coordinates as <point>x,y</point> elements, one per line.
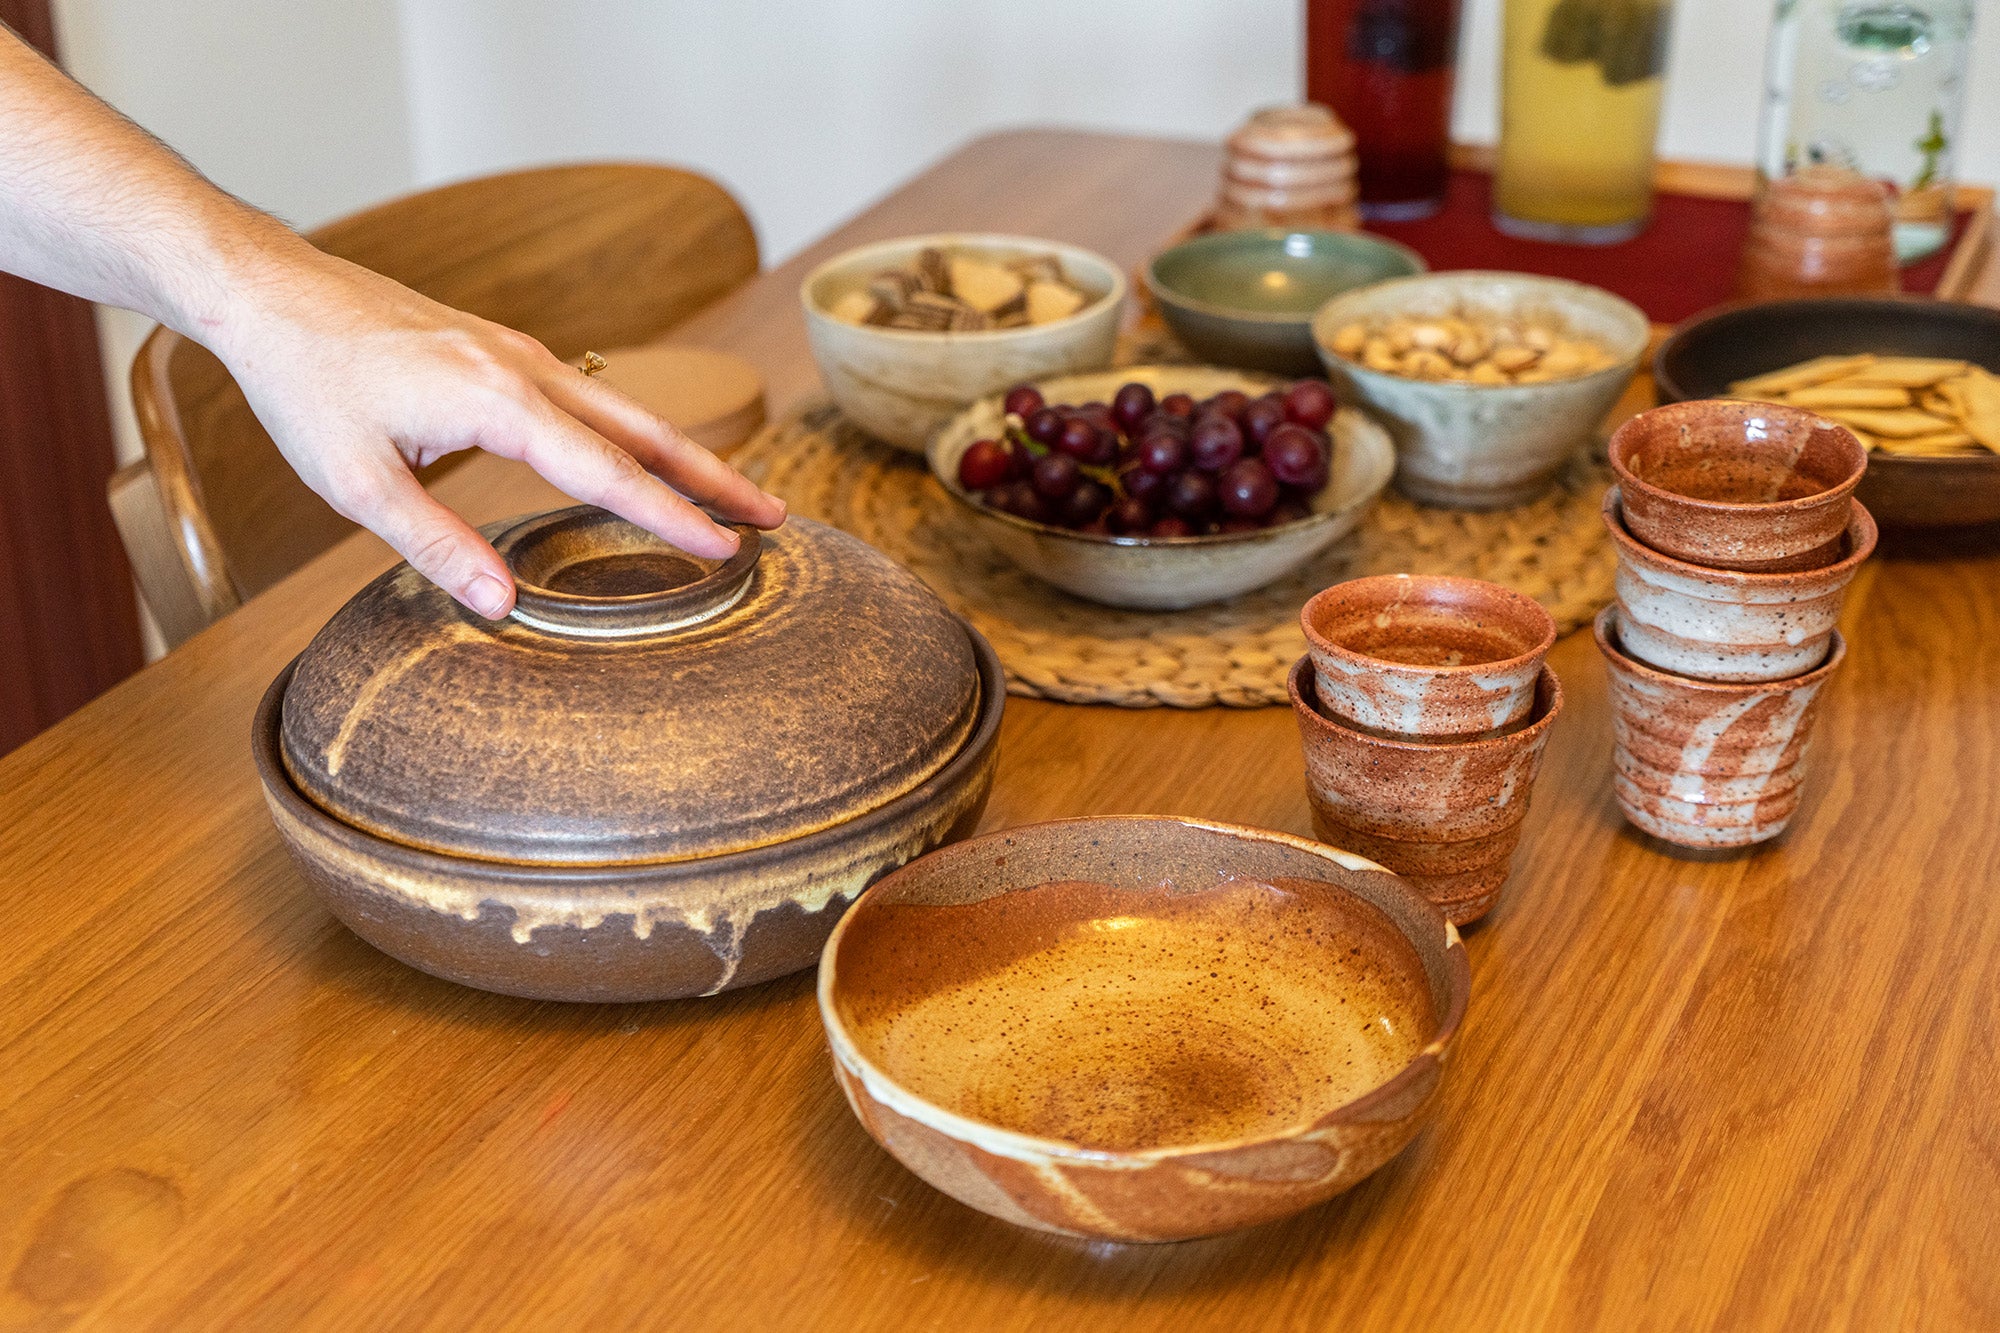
<point>1385,68</point>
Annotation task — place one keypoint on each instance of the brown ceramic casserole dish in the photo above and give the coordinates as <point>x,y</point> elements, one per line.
<point>662,777</point>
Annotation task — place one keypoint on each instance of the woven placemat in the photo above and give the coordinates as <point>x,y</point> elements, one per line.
<point>1055,646</point>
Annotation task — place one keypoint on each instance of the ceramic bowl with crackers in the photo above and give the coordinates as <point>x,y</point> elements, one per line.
<point>1490,382</point>
<point>1917,380</point>
<point>908,332</point>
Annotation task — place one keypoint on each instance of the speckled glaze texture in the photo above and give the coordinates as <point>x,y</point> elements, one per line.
<point>631,932</point>
<point>1169,574</point>
<point>829,681</point>
<point>1479,446</point>
<point>900,385</point>
<point>1738,485</point>
<point>1731,625</point>
<point>1426,656</point>
<point>1182,1189</point>
<point>1706,765</point>
<point>1445,815</point>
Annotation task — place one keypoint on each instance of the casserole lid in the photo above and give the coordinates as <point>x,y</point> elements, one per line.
<point>641,704</point>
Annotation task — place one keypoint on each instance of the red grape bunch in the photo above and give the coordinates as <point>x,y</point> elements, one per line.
<point>1172,468</point>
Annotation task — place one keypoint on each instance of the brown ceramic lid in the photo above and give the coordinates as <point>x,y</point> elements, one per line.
<point>1290,133</point>
<point>642,705</point>
<point>1826,201</point>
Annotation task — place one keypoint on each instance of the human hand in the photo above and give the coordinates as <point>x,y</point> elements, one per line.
<point>361,381</point>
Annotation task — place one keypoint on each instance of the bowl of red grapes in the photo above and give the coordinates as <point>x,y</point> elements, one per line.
<point>1163,487</point>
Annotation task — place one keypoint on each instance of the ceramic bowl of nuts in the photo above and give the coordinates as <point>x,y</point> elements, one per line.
<point>1489,382</point>
<point>1156,488</point>
<point>908,332</point>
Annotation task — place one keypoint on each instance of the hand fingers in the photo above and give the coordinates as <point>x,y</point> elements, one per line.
<point>585,465</point>
<point>438,543</point>
<point>661,448</point>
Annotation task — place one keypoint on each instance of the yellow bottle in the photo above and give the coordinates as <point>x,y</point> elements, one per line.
<point>1579,114</point>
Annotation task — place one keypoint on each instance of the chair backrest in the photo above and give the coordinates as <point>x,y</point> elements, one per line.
<point>597,255</point>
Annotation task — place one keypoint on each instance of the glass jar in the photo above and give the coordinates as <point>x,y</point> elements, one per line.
<point>1385,67</point>
<point>1579,114</point>
<point>1875,87</point>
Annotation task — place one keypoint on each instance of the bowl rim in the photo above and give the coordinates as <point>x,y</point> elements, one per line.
<point>1317,640</point>
<point>1305,703</point>
<point>1458,988</point>
<point>1861,530</point>
<point>1736,509</point>
<point>1672,391</point>
<point>1622,369</point>
<point>1113,298</point>
<point>1619,660</point>
<point>529,876</point>
<point>1384,456</point>
<point>1161,291</point>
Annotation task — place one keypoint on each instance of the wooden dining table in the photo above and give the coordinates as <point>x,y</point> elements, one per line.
<point>1741,1091</point>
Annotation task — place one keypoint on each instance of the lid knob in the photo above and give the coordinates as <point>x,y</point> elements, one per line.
<point>586,573</point>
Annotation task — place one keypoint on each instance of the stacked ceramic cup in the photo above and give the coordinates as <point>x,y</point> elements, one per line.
<point>1290,166</point>
<point>1737,534</point>
<point>1424,705</point>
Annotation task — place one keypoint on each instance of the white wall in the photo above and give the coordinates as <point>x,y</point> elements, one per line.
<point>807,109</point>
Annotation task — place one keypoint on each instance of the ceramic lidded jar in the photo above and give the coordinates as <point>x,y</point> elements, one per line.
<point>662,776</point>
<point>1289,166</point>
<point>1819,231</point>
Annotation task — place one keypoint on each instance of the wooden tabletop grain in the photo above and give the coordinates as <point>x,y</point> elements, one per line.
<point>1756,1091</point>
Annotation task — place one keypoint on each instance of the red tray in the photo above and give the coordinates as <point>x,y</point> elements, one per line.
<point>1683,263</point>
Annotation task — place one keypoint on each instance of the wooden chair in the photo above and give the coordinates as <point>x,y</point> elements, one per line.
<point>590,256</point>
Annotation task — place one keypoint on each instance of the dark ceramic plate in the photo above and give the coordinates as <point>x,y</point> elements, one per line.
<point>1708,354</point>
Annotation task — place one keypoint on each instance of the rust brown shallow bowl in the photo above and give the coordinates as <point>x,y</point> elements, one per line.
<point>1706,355</point>
<point>1142,1028</point>
<point>622,932</point>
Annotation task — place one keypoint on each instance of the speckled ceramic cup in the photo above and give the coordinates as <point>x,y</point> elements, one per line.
<point>1446,816</point>
<point>1738,485</point>
<point>1730,625</point>
<point>1707,765</point>
<point>1426,656</point>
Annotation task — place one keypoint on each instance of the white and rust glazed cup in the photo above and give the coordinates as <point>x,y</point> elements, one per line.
<point>1444,815</point>
<point>1738,485</point>
<point>1728,625</point>
<point>1708,765</point>
<point>1426,656</point>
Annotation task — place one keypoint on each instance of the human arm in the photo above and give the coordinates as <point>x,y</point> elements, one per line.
<point>358,379</point>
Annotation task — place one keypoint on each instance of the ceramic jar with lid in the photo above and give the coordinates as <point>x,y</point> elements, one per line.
<point>1820,231</point>
<point>1289,166</point>
<point>662,776</point>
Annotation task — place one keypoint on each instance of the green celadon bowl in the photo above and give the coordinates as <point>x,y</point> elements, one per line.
<point>1246,298</point>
